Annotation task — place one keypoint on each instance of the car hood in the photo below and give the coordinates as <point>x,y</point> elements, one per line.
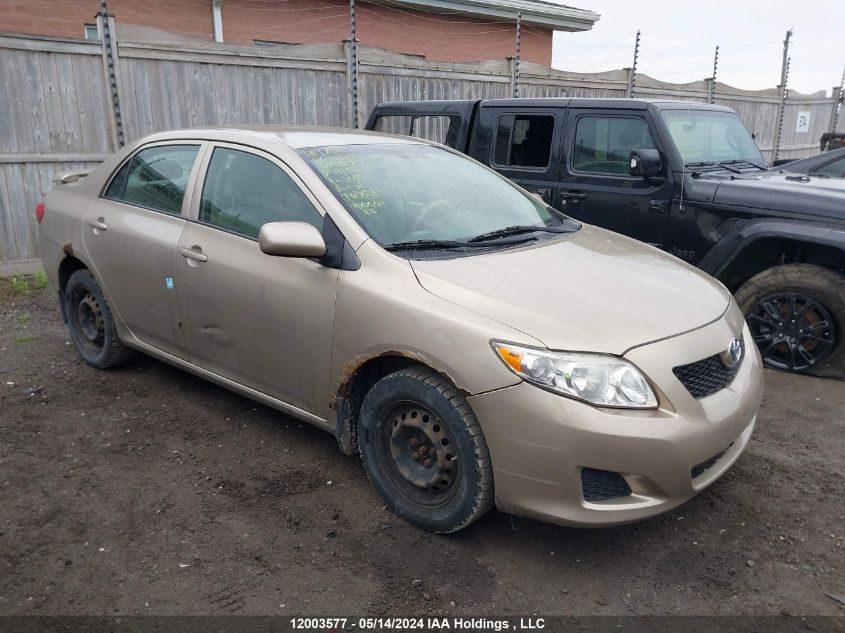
<point>780,191</point>
<point>593,290</point>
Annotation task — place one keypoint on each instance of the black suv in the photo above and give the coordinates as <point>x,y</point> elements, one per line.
<point>685,177</point>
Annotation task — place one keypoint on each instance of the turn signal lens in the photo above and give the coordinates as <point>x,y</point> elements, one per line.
<point>599,379</point>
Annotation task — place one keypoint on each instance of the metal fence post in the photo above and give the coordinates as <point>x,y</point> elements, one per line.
<point>711,92</point>
<point>111,74</point>
<point>784,93</point>
<point>632,72</point>
<point>351,46</point>
<point>515,59</point>
<point>837,103</point>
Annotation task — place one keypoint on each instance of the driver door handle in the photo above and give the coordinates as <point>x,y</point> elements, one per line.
<point>194,253</point>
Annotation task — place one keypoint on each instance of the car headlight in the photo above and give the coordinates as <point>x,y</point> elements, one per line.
<point>600,379</point>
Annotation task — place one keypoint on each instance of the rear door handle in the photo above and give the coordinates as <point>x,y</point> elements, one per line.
<point>572,196</point>
<point>545,194</point>
<point>99,224</point>
<point>195,253</point>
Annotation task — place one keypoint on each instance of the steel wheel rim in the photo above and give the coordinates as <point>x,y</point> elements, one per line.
<point>87,316</point>
<point>421,458</point>
<point>793,331</point>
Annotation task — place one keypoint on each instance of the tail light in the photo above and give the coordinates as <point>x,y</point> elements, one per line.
<point>40,208</point>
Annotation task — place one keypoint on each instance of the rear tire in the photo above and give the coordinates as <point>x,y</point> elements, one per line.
<point>91,325</point>
<point>796,314</point>
<point>424,451</point>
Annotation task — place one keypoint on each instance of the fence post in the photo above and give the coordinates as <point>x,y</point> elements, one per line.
<point>351,46</point>
<point>111,74</point>
<point>784,93</point>
<point>632,71</point>
<point>514,61</point>
<point>711,89</point>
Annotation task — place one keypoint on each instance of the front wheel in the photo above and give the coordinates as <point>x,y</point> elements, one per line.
<point>796,314</point>
<point>424,451</point>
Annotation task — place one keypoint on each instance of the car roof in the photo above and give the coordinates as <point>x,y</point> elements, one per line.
<point>292,136</point>
<point>604,102</point>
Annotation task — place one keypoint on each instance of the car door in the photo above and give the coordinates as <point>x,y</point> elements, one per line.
<point>524,147</point>
<point>265,322</point>
<point>595,186</point>
<point>131,233</point>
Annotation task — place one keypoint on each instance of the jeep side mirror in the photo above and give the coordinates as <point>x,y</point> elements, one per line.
<point>645,163</point>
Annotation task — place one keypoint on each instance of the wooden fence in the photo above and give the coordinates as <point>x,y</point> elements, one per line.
<point>55,111</point>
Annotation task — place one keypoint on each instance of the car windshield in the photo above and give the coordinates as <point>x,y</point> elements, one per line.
<point>707,136</point>
<point>423,195</point>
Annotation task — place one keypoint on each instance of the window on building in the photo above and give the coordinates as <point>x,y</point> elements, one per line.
<point>243,192</point>
<point>524,140</point>
<point>91,32</point>
<point>155,178</point>
<point>603,144</point>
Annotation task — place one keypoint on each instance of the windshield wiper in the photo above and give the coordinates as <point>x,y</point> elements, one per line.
<point>517,229</point>
<point>710,163</point>
<point>422,245</point>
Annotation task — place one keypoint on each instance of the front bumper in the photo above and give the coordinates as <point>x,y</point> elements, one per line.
<point>539,442</point>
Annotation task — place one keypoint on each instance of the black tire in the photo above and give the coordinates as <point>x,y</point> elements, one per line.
<point>809,336</point>
<point>414,417</point>
<point>91,324</point>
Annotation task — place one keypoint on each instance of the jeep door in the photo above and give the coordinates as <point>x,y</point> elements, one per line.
<point>131,232</point>
<point>262,321</point>
<point>594,183</point>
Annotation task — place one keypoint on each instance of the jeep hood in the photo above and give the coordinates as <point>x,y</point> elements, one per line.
<point>780,191</point>
<point>590,291</point>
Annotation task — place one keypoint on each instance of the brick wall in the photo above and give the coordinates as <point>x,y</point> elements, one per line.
<point>435,35</point>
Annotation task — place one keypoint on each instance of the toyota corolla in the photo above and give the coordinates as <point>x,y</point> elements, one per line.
<point>474,345</point>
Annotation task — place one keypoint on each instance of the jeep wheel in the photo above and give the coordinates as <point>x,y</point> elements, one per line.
<point>424,451</point>
<point>90,322</point>
<point>796,314</point>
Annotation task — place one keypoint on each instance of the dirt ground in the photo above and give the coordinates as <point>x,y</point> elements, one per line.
<point>145,490</point>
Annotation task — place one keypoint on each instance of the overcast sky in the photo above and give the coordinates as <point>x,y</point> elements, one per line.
<point>678,39</point>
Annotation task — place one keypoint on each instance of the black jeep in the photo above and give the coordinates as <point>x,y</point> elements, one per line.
<point>685,177</point>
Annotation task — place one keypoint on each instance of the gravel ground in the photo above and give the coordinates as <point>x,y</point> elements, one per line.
<point>145,490</point>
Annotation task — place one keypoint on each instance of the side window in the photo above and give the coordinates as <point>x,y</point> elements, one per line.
<point>243,192</point>
<point>155,178</point>
<point>835,169</point>
<point>440,128</point>
<point>523,140</point>
<point>603,144</point>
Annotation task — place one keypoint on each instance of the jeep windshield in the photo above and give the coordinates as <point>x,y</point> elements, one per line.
<point>426,201</point>
<point>711,140</point>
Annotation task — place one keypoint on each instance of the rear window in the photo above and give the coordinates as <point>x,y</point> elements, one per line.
<point>155,178</point>
<point>439,128</point>
<point>524,140</point>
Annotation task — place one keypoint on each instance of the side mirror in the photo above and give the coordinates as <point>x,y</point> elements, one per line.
<point>645,163</point>
<point>291,239</point>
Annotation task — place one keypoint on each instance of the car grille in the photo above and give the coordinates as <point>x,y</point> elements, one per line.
<point>704,466</point>
<point>600,485</point>
<point>706,377</point>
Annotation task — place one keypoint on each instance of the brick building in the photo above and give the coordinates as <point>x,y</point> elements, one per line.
<point>447,30</point>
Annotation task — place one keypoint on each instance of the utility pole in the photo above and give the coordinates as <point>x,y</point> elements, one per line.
<point>784,77</point>
<point>711,97</point>
<point>352,69</point>
<point>515,61</point>
<point>632,72</point>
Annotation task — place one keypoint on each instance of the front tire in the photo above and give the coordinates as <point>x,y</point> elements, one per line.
<point>424,451</point>
<point>91,323</point>
<point>796,314</point>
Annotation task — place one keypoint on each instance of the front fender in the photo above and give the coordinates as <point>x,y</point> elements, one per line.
<point>745,232</point>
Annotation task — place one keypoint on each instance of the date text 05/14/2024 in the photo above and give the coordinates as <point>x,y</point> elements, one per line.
<point>430,623</point>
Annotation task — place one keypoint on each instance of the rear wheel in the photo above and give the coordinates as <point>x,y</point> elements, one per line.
<point>91,324</point>
<point>796,314</point>
<point>424,450</point>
